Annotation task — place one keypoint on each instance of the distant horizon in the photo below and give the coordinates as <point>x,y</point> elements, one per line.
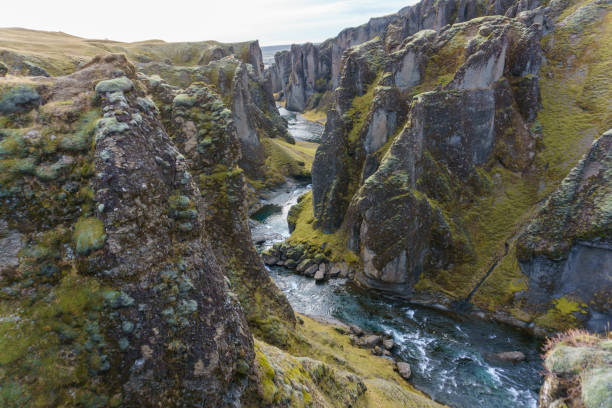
<point>271,22</point>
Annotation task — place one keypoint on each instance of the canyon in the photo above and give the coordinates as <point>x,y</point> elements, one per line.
<point>174,230</point>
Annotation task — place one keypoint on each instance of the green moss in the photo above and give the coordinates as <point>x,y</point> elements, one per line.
<point>268,389</point>
<point>41,340</point>
<point>284,160</point>
<point>88,235</point>
<point>121,84</point>
<point>184,100</point>
<point>10,168</point>
<point>561,316</point>
<point>12,143</point>
<point>306,233</point>
<point>81,139</point>
<point>19,100</point>
<point>108,126</point>
<point>499,289</point>
<point>359,110</point>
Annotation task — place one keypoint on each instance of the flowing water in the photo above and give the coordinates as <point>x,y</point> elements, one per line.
<point>448,354</point>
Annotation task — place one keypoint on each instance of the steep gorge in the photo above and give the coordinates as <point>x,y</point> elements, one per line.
<point>465,165</point>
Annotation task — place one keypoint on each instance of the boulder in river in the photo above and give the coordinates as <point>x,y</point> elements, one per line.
<point>403,369</point>
<point>509,356</point>
<point>370,340</point>
<point>304,265</point>
<point>320,275</point>
<point>312,270</point>
<point>388,344</point>
<point>269,259</point>
<point>356,330</point>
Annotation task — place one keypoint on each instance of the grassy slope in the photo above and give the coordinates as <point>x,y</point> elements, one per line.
<point>58,52</point>
<point>325,343</point>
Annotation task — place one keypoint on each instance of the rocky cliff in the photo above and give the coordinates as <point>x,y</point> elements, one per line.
<point>440,151</point>
<point>111,291</point>
<point>307,71</point>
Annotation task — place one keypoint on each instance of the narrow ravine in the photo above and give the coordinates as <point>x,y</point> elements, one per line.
<point>451,356</point>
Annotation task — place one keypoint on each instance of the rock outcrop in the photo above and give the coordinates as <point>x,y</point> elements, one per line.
<point>203,130</point>
<point>439,151</point>
<point>245,92</point>
<point>113,289</point>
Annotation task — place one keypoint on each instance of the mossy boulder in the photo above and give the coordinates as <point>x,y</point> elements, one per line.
<point>121,84</point>
<point>19,100</point>
<point>577,371</point>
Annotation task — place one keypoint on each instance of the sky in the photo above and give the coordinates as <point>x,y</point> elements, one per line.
<point>272,22</point>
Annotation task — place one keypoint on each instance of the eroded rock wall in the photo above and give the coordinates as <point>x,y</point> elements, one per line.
<point>116,292</point>
<point>309,70</point>
<point>439,153</point>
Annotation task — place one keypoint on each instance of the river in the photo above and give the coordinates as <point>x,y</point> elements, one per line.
<point>448,353</point>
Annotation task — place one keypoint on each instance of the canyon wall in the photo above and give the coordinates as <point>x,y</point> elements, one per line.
<point>307,71</point>
<point>444,160</point>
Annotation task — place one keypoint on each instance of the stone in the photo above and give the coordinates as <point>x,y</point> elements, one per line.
<point>388,344</point>
<point>320,274</point>
<point>10,245</point>
<point>333,271</point>
<point>310,271</point>
<point>510,356</point>
<point>377,351</point>
<point>269,259</point>
<point>304,265</point>
<point>358,331</point>
<point>403,369</point>
<point>370,340</point>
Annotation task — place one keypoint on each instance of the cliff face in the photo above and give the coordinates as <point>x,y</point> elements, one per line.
<point>114,289</point>
<point>203,130</point>
<point>438,154</point>
<point>305,72</point>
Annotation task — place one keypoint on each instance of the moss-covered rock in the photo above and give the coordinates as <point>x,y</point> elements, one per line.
<point>19,100</point>
<point>88,235</point>
<point>121,84</point>
<point>577,371</point>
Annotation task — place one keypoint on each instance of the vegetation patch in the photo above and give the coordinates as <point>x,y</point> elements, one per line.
<point>305,233</point>
<point>88,235</point>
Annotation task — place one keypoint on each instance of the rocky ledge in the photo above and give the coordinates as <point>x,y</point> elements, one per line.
<point>307,262</point>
